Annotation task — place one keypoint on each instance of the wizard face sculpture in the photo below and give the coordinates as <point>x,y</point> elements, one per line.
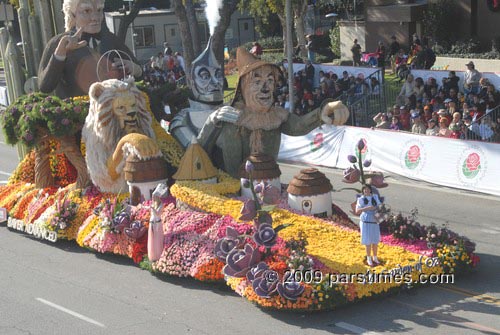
<point>206,77</point>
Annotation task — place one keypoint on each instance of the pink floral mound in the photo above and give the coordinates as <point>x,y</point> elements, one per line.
<point>418,247</point>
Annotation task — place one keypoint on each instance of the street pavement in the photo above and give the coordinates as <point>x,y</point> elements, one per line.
<point>60,288</point>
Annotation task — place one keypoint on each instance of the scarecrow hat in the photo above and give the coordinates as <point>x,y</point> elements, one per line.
<point>246,63</point>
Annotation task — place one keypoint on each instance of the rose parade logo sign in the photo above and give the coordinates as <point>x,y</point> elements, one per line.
<point>412,156</point>
<point>317,142</point>
<point>471,166</point>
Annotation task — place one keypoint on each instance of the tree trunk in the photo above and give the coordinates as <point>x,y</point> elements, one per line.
<point>43,174</point>
<point>193,23</point>
<point>185,30</point>
<point>220,31</point>
<point>299,13</point>
<point>74,156</point>
<point>126,20</point>
<point>283,28</point>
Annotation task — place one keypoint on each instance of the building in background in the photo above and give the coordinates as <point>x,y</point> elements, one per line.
<point>153,27</point>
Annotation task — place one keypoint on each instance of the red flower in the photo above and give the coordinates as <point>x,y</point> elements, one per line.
<point>413,153</point>
<point>473,161</point>
<point>140,249</point>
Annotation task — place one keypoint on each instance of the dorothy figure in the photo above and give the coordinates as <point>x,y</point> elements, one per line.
<point>370,231</point>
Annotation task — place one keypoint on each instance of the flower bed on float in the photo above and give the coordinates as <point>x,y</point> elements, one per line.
<point>305,267</point>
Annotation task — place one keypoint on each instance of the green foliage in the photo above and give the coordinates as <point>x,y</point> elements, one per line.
<point>34,115</point>
<point>439,21</point>
<point>465,46</point>
<point>335,40</point>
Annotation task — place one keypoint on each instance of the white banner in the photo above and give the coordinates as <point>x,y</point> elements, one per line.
<point>469,165</point>
<point>320,147</point>
<point>494,78</point>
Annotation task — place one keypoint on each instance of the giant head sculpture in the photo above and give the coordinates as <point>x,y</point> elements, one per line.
<point>206,77</point>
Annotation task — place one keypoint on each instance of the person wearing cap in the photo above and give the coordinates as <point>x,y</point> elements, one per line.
<point>451,82</point>
<point>344,81</point>
<point>418,126</point>
<point>471,78</point>
<point>356,53</point>
<point>381,54</point>
<point>432,128</point>
<point>427,113</point>
<point>381,121</point>
<point>206,95</point>
<point>253,124</point>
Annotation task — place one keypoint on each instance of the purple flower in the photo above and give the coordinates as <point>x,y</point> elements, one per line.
<point>121,221</point>
<point>223,247</point>
<point>249,166</point>
<point>65,122</point>
<point>77,109</point>
<point>351,175</point>
<point>290,289</point>
<point>58,110</point>
<point>259,187</point>
<point>136,231</point>
<point>377,180</point>
<point>257,271</point>
<point>28,137</point>
<point>361,144</point>
<point>352,159</point>
<point>239,261</point>
<point>265,235</point>
<point>13,110</point>
<point>271,195</point>
<point>367,162</point>
<point>248,210</point>
<point>265,285</point>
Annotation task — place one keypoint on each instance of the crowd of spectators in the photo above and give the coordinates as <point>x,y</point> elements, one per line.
<point>446,110</point>
<point>165,67</point>
<point>307,97</point>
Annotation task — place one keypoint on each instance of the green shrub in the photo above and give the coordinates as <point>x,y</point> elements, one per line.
<point>335,40</point>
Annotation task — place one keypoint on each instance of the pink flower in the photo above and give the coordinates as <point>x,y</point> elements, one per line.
<point>473,161</point>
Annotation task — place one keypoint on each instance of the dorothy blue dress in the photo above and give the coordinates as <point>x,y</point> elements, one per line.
<point>370,230</point>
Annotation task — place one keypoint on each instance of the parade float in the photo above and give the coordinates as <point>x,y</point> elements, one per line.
<point>286,247</point>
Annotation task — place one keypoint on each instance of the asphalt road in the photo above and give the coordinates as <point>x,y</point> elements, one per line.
<point>61,288</point>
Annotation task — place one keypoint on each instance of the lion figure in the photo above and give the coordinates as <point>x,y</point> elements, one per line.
<point>117,124</point>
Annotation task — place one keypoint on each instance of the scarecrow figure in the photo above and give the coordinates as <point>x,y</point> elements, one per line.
<point>252,124</point>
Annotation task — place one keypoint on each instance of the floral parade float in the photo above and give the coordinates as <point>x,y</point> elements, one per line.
<point>276,255</point>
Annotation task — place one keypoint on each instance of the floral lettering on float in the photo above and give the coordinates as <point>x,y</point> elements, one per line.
<point>32,229</point>
<point>471,166</point>
<point>3,215</point>
<point>413,157</point>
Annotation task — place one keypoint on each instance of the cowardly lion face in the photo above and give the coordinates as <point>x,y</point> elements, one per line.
<point>258,87</point>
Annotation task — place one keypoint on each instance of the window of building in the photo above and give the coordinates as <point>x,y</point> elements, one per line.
<point>144,37</point>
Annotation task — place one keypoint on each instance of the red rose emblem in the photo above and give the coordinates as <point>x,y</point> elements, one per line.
<point>473,161</point>
<point>413,153</point>
<point>318,139</point>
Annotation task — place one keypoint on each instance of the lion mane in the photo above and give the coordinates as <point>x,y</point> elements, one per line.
<point>102,132</point>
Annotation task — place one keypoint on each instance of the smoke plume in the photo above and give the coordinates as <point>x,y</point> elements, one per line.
<point>212,13</point>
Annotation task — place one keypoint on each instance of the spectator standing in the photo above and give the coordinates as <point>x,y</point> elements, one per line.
<point>256,49</point>
<point>451,82</point>
<point>471,79</point>
<point>309,73</point>
<point>356,53</point>
<point>407,90</point>
<point>167,49</point>
<point>180,59</point>
<point>444,131</point>
<point>344,81</point>
<point>310,48</point>
<point>381,53</point>
<point>394,49</point>
<point>404,118</point>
